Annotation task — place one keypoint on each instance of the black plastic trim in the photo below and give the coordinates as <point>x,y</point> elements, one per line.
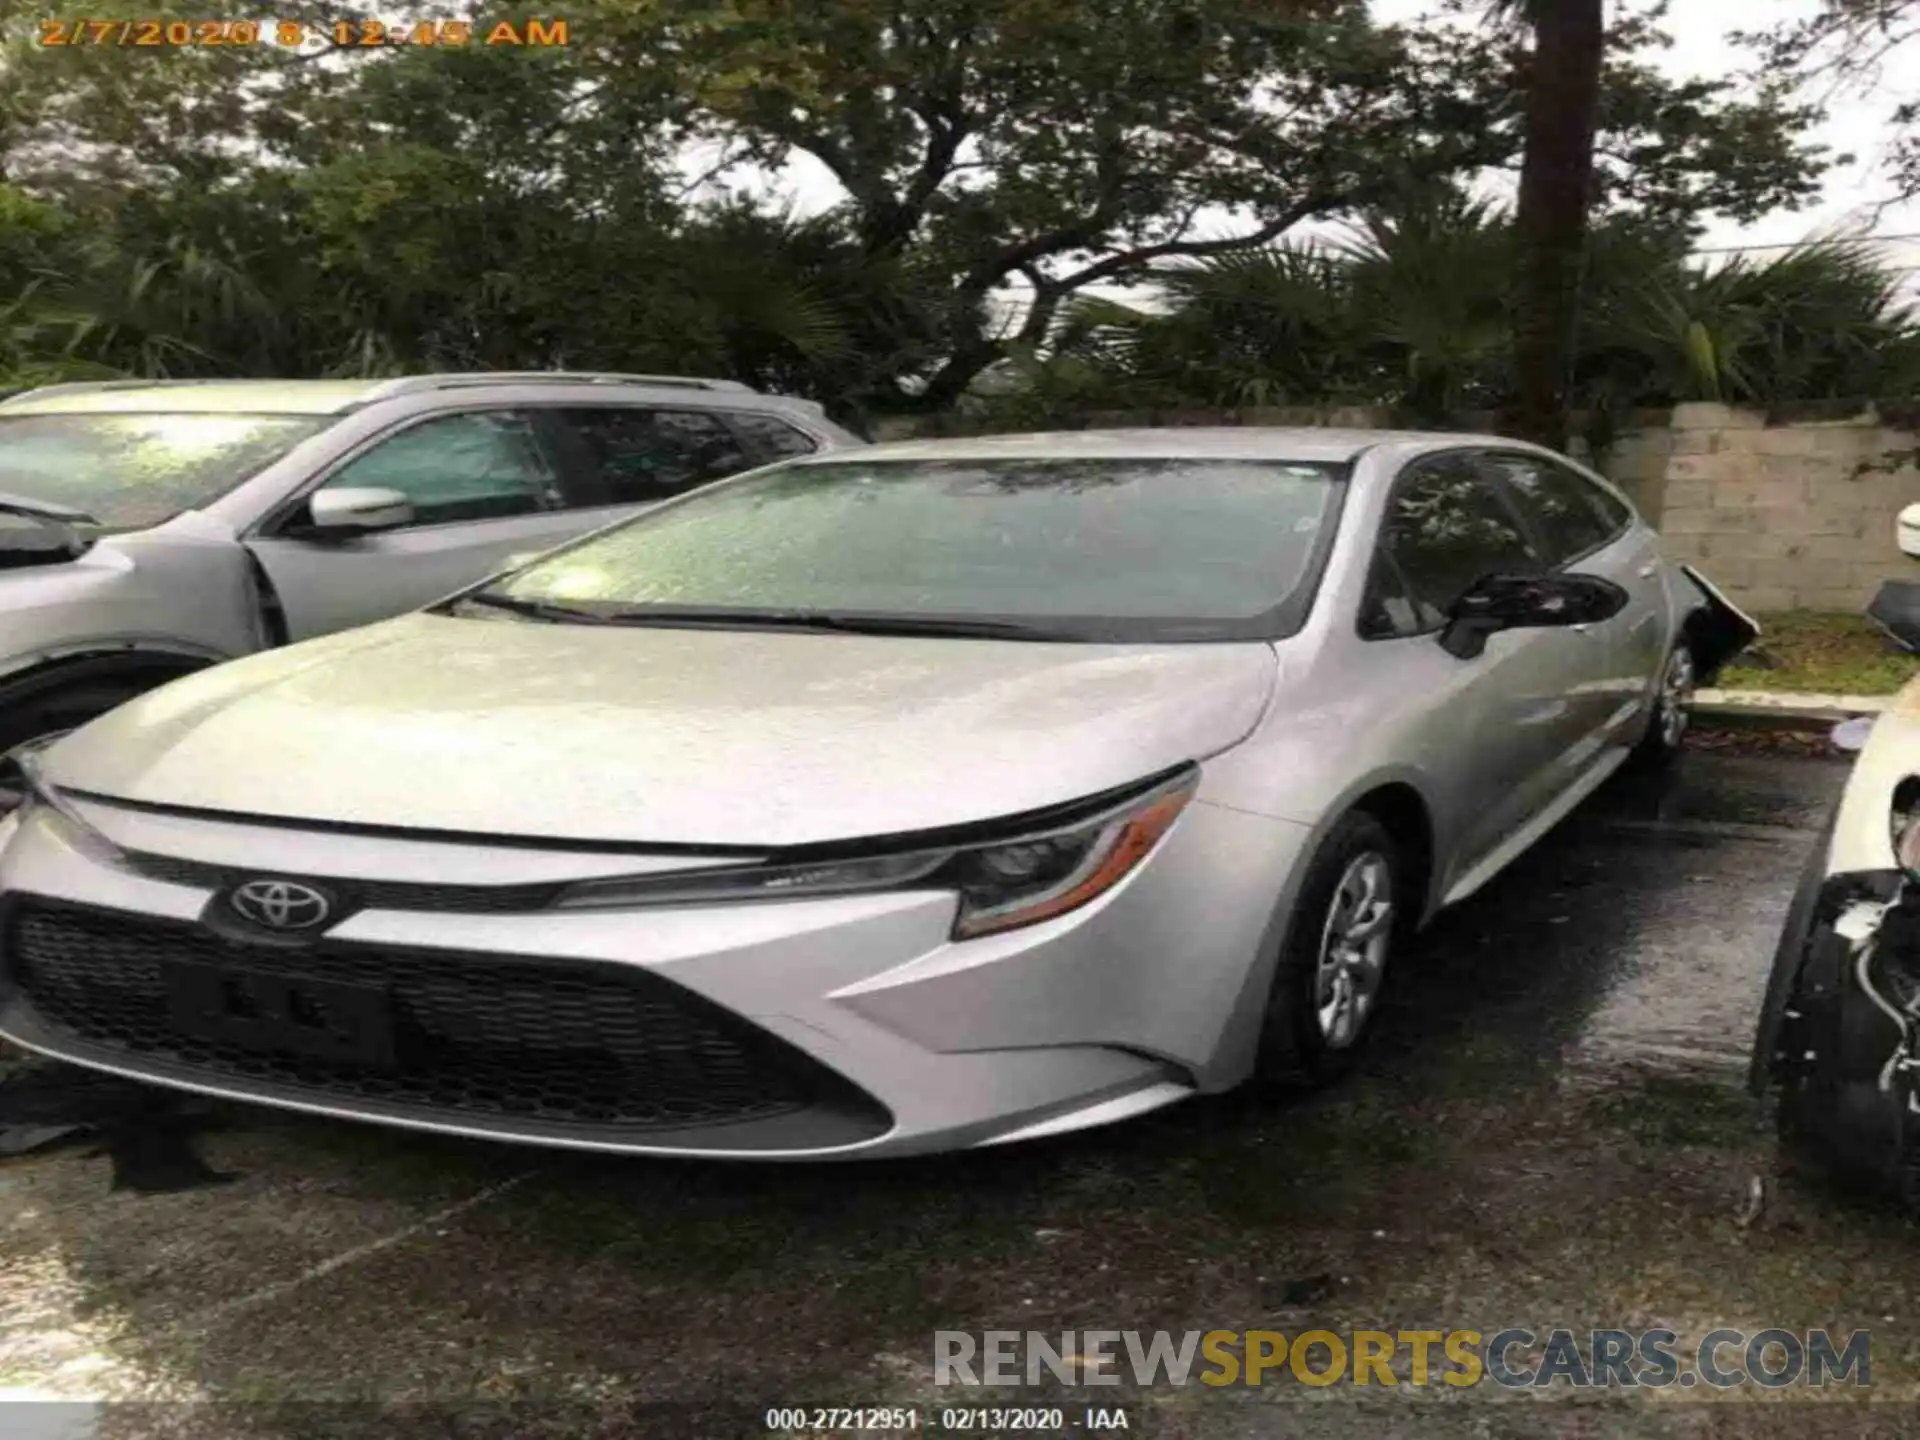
<point>843,1114</point>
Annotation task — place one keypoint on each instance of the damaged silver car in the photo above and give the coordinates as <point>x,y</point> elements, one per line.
<point>148,529</point>
<point>914,798</point>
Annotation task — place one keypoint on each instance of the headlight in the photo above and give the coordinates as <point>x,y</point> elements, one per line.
<point>1002,884</point>
<point>20,784</point>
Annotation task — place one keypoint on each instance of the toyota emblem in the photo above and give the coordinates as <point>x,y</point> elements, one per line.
<point>281,904</point>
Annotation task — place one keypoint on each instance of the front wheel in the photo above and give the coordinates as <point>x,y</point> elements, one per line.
<point>1666,732</point>
<point>36,718</point>
<point>1332,966</point>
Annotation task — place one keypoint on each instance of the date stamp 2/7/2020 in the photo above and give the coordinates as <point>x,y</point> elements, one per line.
<point>169,33</point>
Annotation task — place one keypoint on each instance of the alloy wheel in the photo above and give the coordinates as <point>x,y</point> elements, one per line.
<point>1676,697</point>
<point>1353,949</point>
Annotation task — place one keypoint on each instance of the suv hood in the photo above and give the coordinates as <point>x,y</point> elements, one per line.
<point>670,736</point>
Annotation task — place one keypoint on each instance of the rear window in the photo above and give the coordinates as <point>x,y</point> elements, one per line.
<point>129,471</point>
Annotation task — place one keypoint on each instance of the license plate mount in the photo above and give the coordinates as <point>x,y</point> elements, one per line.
<point>270,1012</point>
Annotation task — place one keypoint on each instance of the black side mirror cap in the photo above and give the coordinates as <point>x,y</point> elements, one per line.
<point>1506,601</point>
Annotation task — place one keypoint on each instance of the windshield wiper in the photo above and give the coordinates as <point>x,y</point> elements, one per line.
<point>533,609</point>
<point>941,625</point>
<point>44,510</point>
<point>834,621</point>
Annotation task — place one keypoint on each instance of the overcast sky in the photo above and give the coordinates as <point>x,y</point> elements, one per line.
<point>1856,123</point>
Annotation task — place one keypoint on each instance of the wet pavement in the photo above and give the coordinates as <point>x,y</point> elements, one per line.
<point>1550,1131</point>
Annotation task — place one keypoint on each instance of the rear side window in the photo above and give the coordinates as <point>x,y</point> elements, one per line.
<point>1446,527</point>
<point>1557,502</point>
<point>770,438</point>
<point>643,455</point>
<point>1617,514</point>
<point>1388,611</point>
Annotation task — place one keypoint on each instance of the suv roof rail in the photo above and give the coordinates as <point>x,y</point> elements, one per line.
<point>414,384</point>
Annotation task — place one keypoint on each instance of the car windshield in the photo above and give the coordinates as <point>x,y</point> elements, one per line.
<point>1124,549</point>
<point>128,471</point>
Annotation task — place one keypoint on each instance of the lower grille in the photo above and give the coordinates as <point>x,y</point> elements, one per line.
<point>582,1049</point>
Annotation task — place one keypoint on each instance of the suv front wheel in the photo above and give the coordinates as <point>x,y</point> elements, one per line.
<point>44,706</point>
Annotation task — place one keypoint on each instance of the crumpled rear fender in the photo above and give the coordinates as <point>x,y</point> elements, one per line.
<point>1717,629</point>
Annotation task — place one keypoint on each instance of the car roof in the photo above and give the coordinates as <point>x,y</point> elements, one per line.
<point>1235,442</point>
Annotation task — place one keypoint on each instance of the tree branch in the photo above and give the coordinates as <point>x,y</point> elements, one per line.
<point>728,159</point>
<point>1144,254</point>
<point>893,222</point>
<point>1110,185</point>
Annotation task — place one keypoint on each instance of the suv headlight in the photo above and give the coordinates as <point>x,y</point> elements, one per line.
<point>1002,884</point>
<point>20,783</point>
<point>36,795</point>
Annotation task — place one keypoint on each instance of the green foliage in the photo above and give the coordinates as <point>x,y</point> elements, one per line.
<point>261,211</point>
<point>1415,312</point>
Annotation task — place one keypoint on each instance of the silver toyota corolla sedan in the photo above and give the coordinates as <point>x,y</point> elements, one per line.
<point>926,796</point>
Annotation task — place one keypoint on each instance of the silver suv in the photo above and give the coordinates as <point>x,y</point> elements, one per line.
<point>150,528</point>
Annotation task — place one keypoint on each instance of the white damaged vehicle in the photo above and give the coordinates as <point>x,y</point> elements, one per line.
<point>1839,1035</point>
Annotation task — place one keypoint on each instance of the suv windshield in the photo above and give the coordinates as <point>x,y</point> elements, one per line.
<point>1081,549</point>
<point>130,471</point>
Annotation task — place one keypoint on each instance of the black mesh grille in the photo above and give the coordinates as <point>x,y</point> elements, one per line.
<point>362,894</point>
<point>567,1045</point>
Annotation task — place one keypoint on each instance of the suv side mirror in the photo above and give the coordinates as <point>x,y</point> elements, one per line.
<point>1907,530</point>
<point>1512,602</point>
<point>355,511</point>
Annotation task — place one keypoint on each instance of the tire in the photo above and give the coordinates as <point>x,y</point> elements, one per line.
<point>53,710</point>
<point>1832,1113</point>
<point>1307,1040</point>
<point>1665,738</point>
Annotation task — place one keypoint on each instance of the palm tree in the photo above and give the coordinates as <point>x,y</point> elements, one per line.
<point>1556,178</point>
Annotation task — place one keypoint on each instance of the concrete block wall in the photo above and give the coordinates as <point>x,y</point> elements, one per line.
<point>1797,515</point>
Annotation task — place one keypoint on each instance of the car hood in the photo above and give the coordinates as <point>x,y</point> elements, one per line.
<point>670,736</point>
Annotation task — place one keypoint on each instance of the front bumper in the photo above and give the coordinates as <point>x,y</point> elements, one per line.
<point>806,1028</point>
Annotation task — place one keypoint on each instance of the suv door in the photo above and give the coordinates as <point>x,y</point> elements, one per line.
<point>1577,532</point>
<point>1504,726</point>
<point>483,485</point>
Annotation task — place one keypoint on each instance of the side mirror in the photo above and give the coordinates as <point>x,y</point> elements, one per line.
<point>1903,823</point>
<point>1512,602</point>
<point>355,511</point>
<point>1907,530</point>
